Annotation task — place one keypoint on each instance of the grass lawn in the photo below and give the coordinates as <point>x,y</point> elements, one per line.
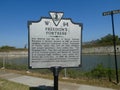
<point>83,80</point>
<point>8,85</point>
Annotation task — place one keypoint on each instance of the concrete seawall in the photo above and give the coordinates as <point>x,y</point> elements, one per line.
<point>14,54</point>
<point>101,50</point>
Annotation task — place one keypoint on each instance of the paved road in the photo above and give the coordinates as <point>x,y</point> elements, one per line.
<point>45,84</point>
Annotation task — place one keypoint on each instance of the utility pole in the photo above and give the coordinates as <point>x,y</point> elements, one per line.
<point>114,39</point>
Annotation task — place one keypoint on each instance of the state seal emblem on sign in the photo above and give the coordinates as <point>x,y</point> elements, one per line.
<point>56,17</point>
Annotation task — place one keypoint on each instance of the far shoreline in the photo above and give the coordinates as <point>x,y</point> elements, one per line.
<point>16,54</point>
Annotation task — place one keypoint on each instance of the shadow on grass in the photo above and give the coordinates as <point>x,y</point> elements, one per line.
<point>42,88</point>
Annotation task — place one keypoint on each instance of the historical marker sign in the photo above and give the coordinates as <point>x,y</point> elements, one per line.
<point>54,41</point>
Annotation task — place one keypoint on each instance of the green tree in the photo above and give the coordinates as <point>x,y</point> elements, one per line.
<point>108,40</point>
<point>7,48</point>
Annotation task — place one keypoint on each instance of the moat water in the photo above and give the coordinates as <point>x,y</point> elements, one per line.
<point>88,62</point>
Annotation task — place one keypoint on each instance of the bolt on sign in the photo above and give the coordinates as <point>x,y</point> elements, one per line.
<point>54,41</point>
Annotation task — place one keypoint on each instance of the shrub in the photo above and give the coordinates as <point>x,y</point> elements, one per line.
<point>98,72</point>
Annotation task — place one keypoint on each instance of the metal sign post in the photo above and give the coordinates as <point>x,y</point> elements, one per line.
<point>56,71</point>
<point>114,39</point>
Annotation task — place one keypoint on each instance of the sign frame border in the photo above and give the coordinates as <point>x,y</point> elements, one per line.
<point>30,23</point>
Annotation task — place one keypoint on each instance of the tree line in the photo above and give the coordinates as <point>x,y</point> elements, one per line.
<point>104,41</point>
<point>11,48</point>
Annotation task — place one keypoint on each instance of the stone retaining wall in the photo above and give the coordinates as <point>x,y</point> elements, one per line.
<point>14,54</point>
<point>91,50</point>
<point>101,50</point>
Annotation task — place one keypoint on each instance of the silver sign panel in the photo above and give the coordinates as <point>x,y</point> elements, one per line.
<point>54,41</point>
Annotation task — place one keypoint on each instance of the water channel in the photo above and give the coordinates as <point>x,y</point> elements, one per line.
<point>89,62</point>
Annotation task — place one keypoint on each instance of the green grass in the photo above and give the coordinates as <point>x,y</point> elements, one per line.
<point>99,76</point>
<point>8,85</point>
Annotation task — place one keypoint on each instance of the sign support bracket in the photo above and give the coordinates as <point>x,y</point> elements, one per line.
<point>56,71</point>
